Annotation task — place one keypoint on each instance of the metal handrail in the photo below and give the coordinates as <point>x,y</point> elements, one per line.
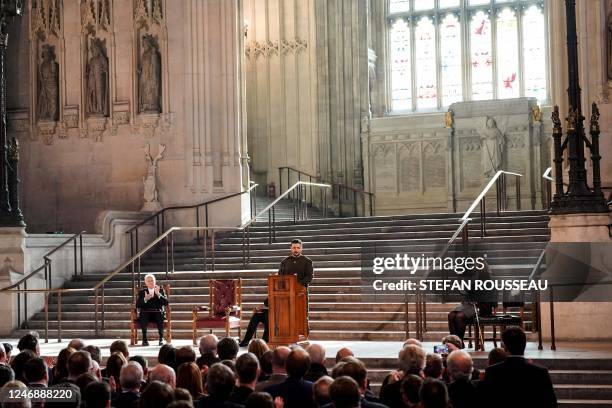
<point>160,226</point>
<point>134,264</point>
<point>340,186</point>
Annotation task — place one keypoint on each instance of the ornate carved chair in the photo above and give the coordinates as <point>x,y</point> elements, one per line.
<point>494,321</point>
<point>224,310</point>
<point>135,322</point>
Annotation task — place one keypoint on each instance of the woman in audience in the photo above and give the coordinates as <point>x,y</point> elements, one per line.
<point>156,395</point>
<point>60,370</point>
<point>189,377</point>
<point>258,347</point>
<point>113,368</point>
<point>167,355</point>
<point>17,403</point>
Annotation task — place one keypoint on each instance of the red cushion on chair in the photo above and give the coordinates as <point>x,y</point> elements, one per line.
<point>224,295</point>
<point>216,322</point>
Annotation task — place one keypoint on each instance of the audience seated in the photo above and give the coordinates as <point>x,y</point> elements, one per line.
<point>227,349</point>
<point>113,366</point>
<point>219,386</point>
<point>76,344</point>
<point>18,363</point>
<point>208,351</point>
<point>163,373</point>
<point>355,369</point>
<point>3,357</point>
<point>295,391</point>
<point>15,385</point>
<point>259,400</point>
<point>413,342</point>
<point>258,347</point>
<point>410,389</point>
<point>185,354</point>
<point>156,394</point>
<point>84,380</point>
<point>265,365</point>
<point>29,342</point>
<point>434,366</point>
<point>189,377</point>
<point>121,347</point>
<point>497,355</point>
<point>35,373</point>
<point>317,369</point>
<point>247,370</point>
<point>433,394</point>
<point>144,364</point>
<point>94,352</point>
<point>411,361</point>
<point>321,391</point>
<point>344,352</point>
<point>8,349</point>
<point>533,381</point>
<point>462,390</point>
<point>60,370</point>
<point>344,393</point>
<point>167,355</point>
<point>97,395</point>
<point>130,378</point>
<point>6,374</point>
<point>279,374</point>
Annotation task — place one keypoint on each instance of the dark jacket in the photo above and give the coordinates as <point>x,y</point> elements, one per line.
<point>208,401</point>
<point>240,395</point>
<point>272,380</point>
<point>207,359</point>
<point>462,393</point>
<point>155,304</point>
<point>315,372</point>
<point>391,395</point>
<point>365,403</point>
<point>126,399</point>
<point>296,392</point>
<point>297,265</point>
<point>517,383</point>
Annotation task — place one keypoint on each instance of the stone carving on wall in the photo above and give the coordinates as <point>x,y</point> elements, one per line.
<point>48,85</point>
<point>268,49</point>
<point>151,199</point>
<point>294,46</point>
<point>493,143</point>
<point>96,13</point>
<point>149,76</point>
<point>151,114</point>
<point>18,120</point>
<point>97,75</point>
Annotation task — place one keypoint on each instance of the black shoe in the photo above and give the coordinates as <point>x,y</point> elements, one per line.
<point>145,342</point>
<point>244,343</point>
<point>161,342</point>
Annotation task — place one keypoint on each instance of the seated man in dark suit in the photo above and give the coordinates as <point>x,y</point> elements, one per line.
<point>151,302</point>
<point>295,391</point>
<point>461,390</point>
<point>516,382</point>
<point>220,382</point>
<point>130,377</point>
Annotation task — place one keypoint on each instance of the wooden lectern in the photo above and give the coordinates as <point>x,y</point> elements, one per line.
<point>287,314</point>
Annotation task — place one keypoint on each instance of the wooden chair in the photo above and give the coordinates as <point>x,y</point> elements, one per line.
<point>135,323</point>
<point>224,309</point>
<point>495,321</point>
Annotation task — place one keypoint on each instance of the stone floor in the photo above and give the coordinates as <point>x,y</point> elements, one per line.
<point>365,349</point>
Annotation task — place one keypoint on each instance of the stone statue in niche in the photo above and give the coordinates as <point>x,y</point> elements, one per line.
<point>48,85</point>
<point>97,75</point>
<point>493,143</point>
<point>151,200</point>
<point>149,76</point>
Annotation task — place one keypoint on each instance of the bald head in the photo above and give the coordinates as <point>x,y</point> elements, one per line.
<point>344,352</point>
<point>298,363</point>
<point>413,342</point>
<point>279,358</point>
<point>163,373</point>
<point>208,344</point>
<point>316,352</point>
<point>460,365</point>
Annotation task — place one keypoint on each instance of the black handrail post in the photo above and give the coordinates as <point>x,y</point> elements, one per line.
<point>25,304</point>
<point>270,225</point>
<point>197,225</point>
<point>355,202</point>
<point>19,306</point>
<point>167,256</point>
<point>498,194</point>
<point>102,310</point>
<point>137,249</point>
<point>46,317</point>
<point>59,317</point>
<point>206,219</point>
<point>280,181</point>
<point>518,193</point>
<point>75,259</point>
<point>163,217</point>
<point>96,331</point>
<point>212,248</point>
<point>243,245</point>
<point>172,248</point>
<point>274,223</point>
<point>205,251</point>
<point>81,246</point>
<point>131,244</point>
<point>553,345</point>
<point>371,204</point>
<point>339,201</point>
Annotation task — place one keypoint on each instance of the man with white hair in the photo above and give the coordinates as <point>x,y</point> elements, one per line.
<point>3,357</point>
<point>462,390</point>
<point>130,378</point>
<point>151,302</point>
<point>411,360</point>
<point>163,373</point>
<point>208,351</point>
<point>317,368</point>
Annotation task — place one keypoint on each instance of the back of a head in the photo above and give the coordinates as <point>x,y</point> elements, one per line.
<point>265,362</point>
<point>434,366</point>
<point>344,352</point>
<point>208,344</point>
<point>182,394</point>
<point>344,393</point>
<point>497,355</point>
<point>180,404</point>
<point>320,390</point>
<point>412,359</point>
<point>279,358</point>
<point>189,377</point>
<point>413,342</point>
<point>19,362</point>
<point>83,380</point>
<point>97,395</point>
<point>258,347</point>
<point>167,355</point>
<point>94,352</point>
<point>28,342</point>
<point>247,368</point>
<point>514,340</point>
<point>131,376</point>
<point>6,374</point>
<point>156,395</point>
<point>433,394</point>
<point>120,346</point>
<point>298,363</point>
<point>227,348</point>
<point>113,364</point>
<point>144,363</point>
<point>76,344</point>
<point>74,402</point>
<point>13,387</point>
<point>220,381</point>
<point>459,364</point>
<point>163,373</point>
<point>35,370</point>
<point>454,340</point>
<point>259,400</point>
<point>355,369</point>
<point>317,353</point>
<point>411,388</point>
<point>185,354</point>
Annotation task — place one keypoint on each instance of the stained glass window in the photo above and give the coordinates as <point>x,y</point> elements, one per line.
<point>445,51</point>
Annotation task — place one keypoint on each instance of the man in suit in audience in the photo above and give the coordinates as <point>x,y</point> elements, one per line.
<point>295,391</point>
<point>516,382</point>
<point>279,373</point>
<point>461,390</point>
<point>151,302</point>
<point>130,377</point>
<point>247,370</point>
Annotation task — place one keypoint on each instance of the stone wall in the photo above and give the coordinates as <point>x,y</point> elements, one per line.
<point>170,74</point>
